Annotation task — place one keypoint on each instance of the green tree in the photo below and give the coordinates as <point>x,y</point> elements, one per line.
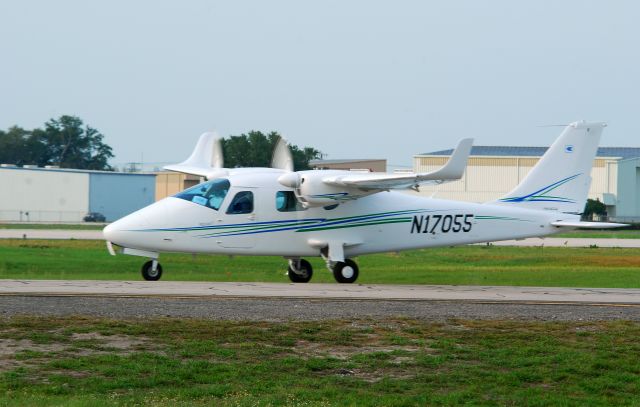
<point>255,149</point>
<point>12,145</point>
<point>19,146</point>
<point>64,142</point>
<point>594,207</point>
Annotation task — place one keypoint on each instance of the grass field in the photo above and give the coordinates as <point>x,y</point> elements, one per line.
<point>474,265</point>
<point>599,234</point>
<point>397,362</point>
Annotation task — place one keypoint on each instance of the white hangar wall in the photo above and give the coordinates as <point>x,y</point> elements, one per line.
<point>489,178</point>
<point>43,196</point>
<point>493,171</point>
<point>68,195</point>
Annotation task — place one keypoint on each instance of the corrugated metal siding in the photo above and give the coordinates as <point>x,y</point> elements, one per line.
<point>612,173</point>
<point>489,178</point>
<point>116,195</point>
<point>628,202</point>
<point>371,165</point>
<point>43,196</point>
<point>170,183</point>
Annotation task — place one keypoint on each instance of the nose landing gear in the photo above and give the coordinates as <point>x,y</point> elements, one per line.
<point>151,270</point>
<point>300,271</point>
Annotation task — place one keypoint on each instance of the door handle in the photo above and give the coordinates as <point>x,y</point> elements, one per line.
<point>252,216</point>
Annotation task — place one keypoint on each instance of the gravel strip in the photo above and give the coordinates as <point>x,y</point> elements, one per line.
<point>279,309</point>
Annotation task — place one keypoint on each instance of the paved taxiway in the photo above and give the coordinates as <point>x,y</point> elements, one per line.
<point>262,301</point>
<point>320,291</point>
<point>51,234</point>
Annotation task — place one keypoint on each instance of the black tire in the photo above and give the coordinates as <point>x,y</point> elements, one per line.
<point>303,275</point>
<point>148,273</point>
<point>346,272</point>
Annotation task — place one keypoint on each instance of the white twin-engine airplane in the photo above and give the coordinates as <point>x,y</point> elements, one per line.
<point>339,215</point>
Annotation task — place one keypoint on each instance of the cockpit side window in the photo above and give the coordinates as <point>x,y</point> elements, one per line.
<point>286,201</point>
<point>209,194</point>
<point>242,203</point>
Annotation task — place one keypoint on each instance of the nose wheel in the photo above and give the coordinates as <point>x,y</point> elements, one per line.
<point>151,270</point>
<point>300,271</point>
<point>345,272</point>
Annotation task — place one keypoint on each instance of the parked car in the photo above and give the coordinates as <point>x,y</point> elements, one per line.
<point>94,217</point>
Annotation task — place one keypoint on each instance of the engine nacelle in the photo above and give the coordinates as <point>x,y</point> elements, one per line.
<point>312,191</point>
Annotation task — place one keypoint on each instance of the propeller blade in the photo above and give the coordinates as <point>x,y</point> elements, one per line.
<point>217,157</point>
<point>282,157</point>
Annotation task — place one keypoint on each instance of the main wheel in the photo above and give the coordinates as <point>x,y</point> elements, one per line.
<point>149,274</point>
<point>346,272</point>
<point>303,275</point>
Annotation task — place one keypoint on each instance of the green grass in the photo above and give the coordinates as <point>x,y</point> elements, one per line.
<point>394,362</point>
<point>599,234</point>
<point>474,265</point>
<point>52,226</point>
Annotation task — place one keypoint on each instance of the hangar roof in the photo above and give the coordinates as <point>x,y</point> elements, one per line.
<point>514,151</point>
<point>345,160</point>
<point>75,170</point>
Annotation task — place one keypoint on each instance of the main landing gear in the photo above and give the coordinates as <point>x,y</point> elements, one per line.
<point>300,271</point>
<point>345,272</point>
<point>151,270</point>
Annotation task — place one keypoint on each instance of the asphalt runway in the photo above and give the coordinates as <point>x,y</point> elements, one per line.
<point>273,302</point>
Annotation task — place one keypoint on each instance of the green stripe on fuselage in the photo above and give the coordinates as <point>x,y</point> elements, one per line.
<point>354,225</point>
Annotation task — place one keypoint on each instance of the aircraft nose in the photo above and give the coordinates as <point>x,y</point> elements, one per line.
<point>130,231</point>
<point>110,231</point>
<point>115,232</point>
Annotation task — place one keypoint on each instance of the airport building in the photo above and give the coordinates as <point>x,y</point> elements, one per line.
<point>373,165</point>
<point>32,194</point>
<point>169,183</point>
<point>493,171</point>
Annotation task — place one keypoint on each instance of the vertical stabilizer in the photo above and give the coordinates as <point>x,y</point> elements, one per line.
<point>561,179</point>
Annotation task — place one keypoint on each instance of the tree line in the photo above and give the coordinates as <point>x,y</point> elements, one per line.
<point>255,149</point>
<point>67,142</point>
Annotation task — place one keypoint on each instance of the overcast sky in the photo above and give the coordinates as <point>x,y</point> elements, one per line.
<point>355,79</point>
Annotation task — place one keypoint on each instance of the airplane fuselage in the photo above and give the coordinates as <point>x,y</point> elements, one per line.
<point>381,222</point>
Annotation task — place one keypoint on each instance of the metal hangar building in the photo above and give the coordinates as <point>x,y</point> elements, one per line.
<point>493,171</point>
<point>33,194</point>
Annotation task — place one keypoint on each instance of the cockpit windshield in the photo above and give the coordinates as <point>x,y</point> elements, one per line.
<point>209,194</point>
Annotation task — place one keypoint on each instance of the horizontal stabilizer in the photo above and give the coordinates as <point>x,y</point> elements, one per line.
<point>451,171</point>
<point>588,225</point>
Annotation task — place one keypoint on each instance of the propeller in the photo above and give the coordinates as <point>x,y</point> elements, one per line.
<point>207,159</point>
<point>217,155</point>
<point>282,158</point>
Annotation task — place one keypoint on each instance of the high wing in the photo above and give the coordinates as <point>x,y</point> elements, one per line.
<point>451,171</point>
<point>206,160</point>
